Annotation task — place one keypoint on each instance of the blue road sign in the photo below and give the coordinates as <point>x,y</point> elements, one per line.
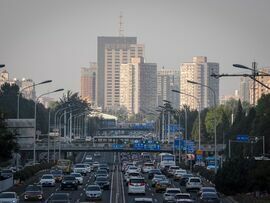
<point>198,157</point>
<point>117,146</point>
<point>242,138</point>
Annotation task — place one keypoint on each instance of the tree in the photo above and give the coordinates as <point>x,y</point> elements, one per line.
<point>8,143</point>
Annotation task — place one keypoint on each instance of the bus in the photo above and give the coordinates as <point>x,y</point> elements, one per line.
<point>65,165</point>
<point>166,160</point>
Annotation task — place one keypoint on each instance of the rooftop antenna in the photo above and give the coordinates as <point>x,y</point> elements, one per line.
<point>121,28</point>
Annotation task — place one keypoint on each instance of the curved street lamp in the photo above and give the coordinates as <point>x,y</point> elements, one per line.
<point>215,117</point>
<point>20,92</point>
<point>35,128</point>
<point>2,65</point>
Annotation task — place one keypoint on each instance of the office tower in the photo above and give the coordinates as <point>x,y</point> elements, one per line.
<point>88,82</point>
<point>259,89</point>
<point>167,80</point>
<point>199,70</point>
<point>138,86</point>
<point>28,92</point>
<point>244,89</point>
<point>112,52</point>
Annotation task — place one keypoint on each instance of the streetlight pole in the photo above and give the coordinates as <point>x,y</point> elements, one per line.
<point>199,112</point>
<point>2,65</point>
<point>35,118</point>
<point>20,92</point>
<point>215,118</point>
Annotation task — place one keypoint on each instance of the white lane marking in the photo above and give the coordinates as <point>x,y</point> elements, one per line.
<point>111,192</point>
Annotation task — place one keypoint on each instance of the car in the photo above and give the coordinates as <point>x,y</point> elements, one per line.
<point>59,197</point>
<point>136,186</point>
<point>88,158</point>
<point>172,169</point>
<point>157,178</point>
<point>58,175</point>
<point>162,185</point>
<point>183,198</point>
<point>93,192</point>
<point>178,174</point>
<point>6,173</point>
<point>95,165</point>
<point>152,172</point>
<point>193,183</point>
<point>47,180</point>
<point>88,167</point>
<point>143,200</point>
<point>97,154</point>
<point>9,197</point>
<point>209,197</point>
<point>131,175</point>
<point>103,182</point>
<point>147,167</point>
<point>184,179</point>
<point>69,181</point>
<point>33,192</point>
<point>104,166</point>
<point>78,177</point>
<point>206,189</point>
<point>169,195</point>
<point>80,168</point>
<point>133,169</point>
<point>101,172</point>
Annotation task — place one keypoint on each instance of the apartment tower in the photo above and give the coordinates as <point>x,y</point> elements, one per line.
<point>199,70</point>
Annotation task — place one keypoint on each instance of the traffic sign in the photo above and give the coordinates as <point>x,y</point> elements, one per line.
<point>242,138</point>
<point>198,157</point>
<point>199,152</point>
<point>117,146</point>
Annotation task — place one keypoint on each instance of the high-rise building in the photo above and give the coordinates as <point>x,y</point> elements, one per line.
<point>112,52</point>
<point>88,82</point>
<point>138,86</point>
<point>244,89</point>
<point>167,80</point>
<point>199,71</point>
<point>259,89</point>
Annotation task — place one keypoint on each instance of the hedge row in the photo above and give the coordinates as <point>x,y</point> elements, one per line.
<point>30,171</point>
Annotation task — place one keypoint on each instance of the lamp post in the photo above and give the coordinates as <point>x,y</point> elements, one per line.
<point>215,118</point>
<point>162,124</point>
<point>2,65</point>
<point>20,92</point>
<point>199,112</point>
<point>35,128</point>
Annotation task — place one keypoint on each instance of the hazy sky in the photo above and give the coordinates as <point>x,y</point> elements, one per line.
<point>52,39</point>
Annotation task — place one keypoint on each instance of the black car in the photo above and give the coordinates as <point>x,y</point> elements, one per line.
<point>152,172</point>
<point>59,198</point>
<point>103,182</point>
<point>184,179</point>
<point>6,173</point>
<point>69,182</point>
<point>57,174</point>
<point>33,192</point>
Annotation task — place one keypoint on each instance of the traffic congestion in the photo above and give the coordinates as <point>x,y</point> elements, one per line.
<point>117,177</point>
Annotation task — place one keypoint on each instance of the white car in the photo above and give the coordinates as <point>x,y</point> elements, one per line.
<point>132,169</point>
<point>169,195</point>
<point>88,168</point>
<point>183,197</point>
<point>88,158</point>
<point>136,186</point>
<point>178,174</point>
<point>78,177</point>
<point>93,192</point>
<point>9,197</point>
<point>172,169</point>
<point>80,168</point>
<point>131,175</point>
<point>147,167</point>
<point>193,183</point>
<point>47,180</point>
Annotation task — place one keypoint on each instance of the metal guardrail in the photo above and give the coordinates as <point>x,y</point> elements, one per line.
<point>6,184</point>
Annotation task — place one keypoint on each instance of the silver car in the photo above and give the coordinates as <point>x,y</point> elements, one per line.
<point>93,192</point>
<point>9,197</point>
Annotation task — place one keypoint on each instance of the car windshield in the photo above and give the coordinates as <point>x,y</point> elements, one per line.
<point>93,188</point>
<point>181,196</point>
<point>32,188</point>
<point>195,180</point>
<point>7,195</point>
<point>100,178</point>
<point>76,174</point>
<point>47,177</point>
<point>6,171</point>
<point>208,190</point>
<point>79,166</point>
<point>159,176</point>
<point>102,172</point>
<point>173,191</point>
<point>155,171</point>
<point>136,181</point>
<point>59,197</point>
<point>209,195</point>
<point>69,178</point>
<point>56,172</point>
<point>134,174</point>
<point>148,164</point>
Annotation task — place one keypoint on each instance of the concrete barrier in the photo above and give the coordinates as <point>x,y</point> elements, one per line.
<point>6,184</point>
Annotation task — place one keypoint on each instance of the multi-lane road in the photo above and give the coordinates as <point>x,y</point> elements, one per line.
<point>118,190</point>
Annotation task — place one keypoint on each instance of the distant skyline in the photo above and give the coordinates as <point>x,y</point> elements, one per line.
<point>53,39</point>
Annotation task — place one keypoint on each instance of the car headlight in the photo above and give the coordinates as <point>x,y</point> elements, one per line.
<point>73,182</point>
<point>64,182</point>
